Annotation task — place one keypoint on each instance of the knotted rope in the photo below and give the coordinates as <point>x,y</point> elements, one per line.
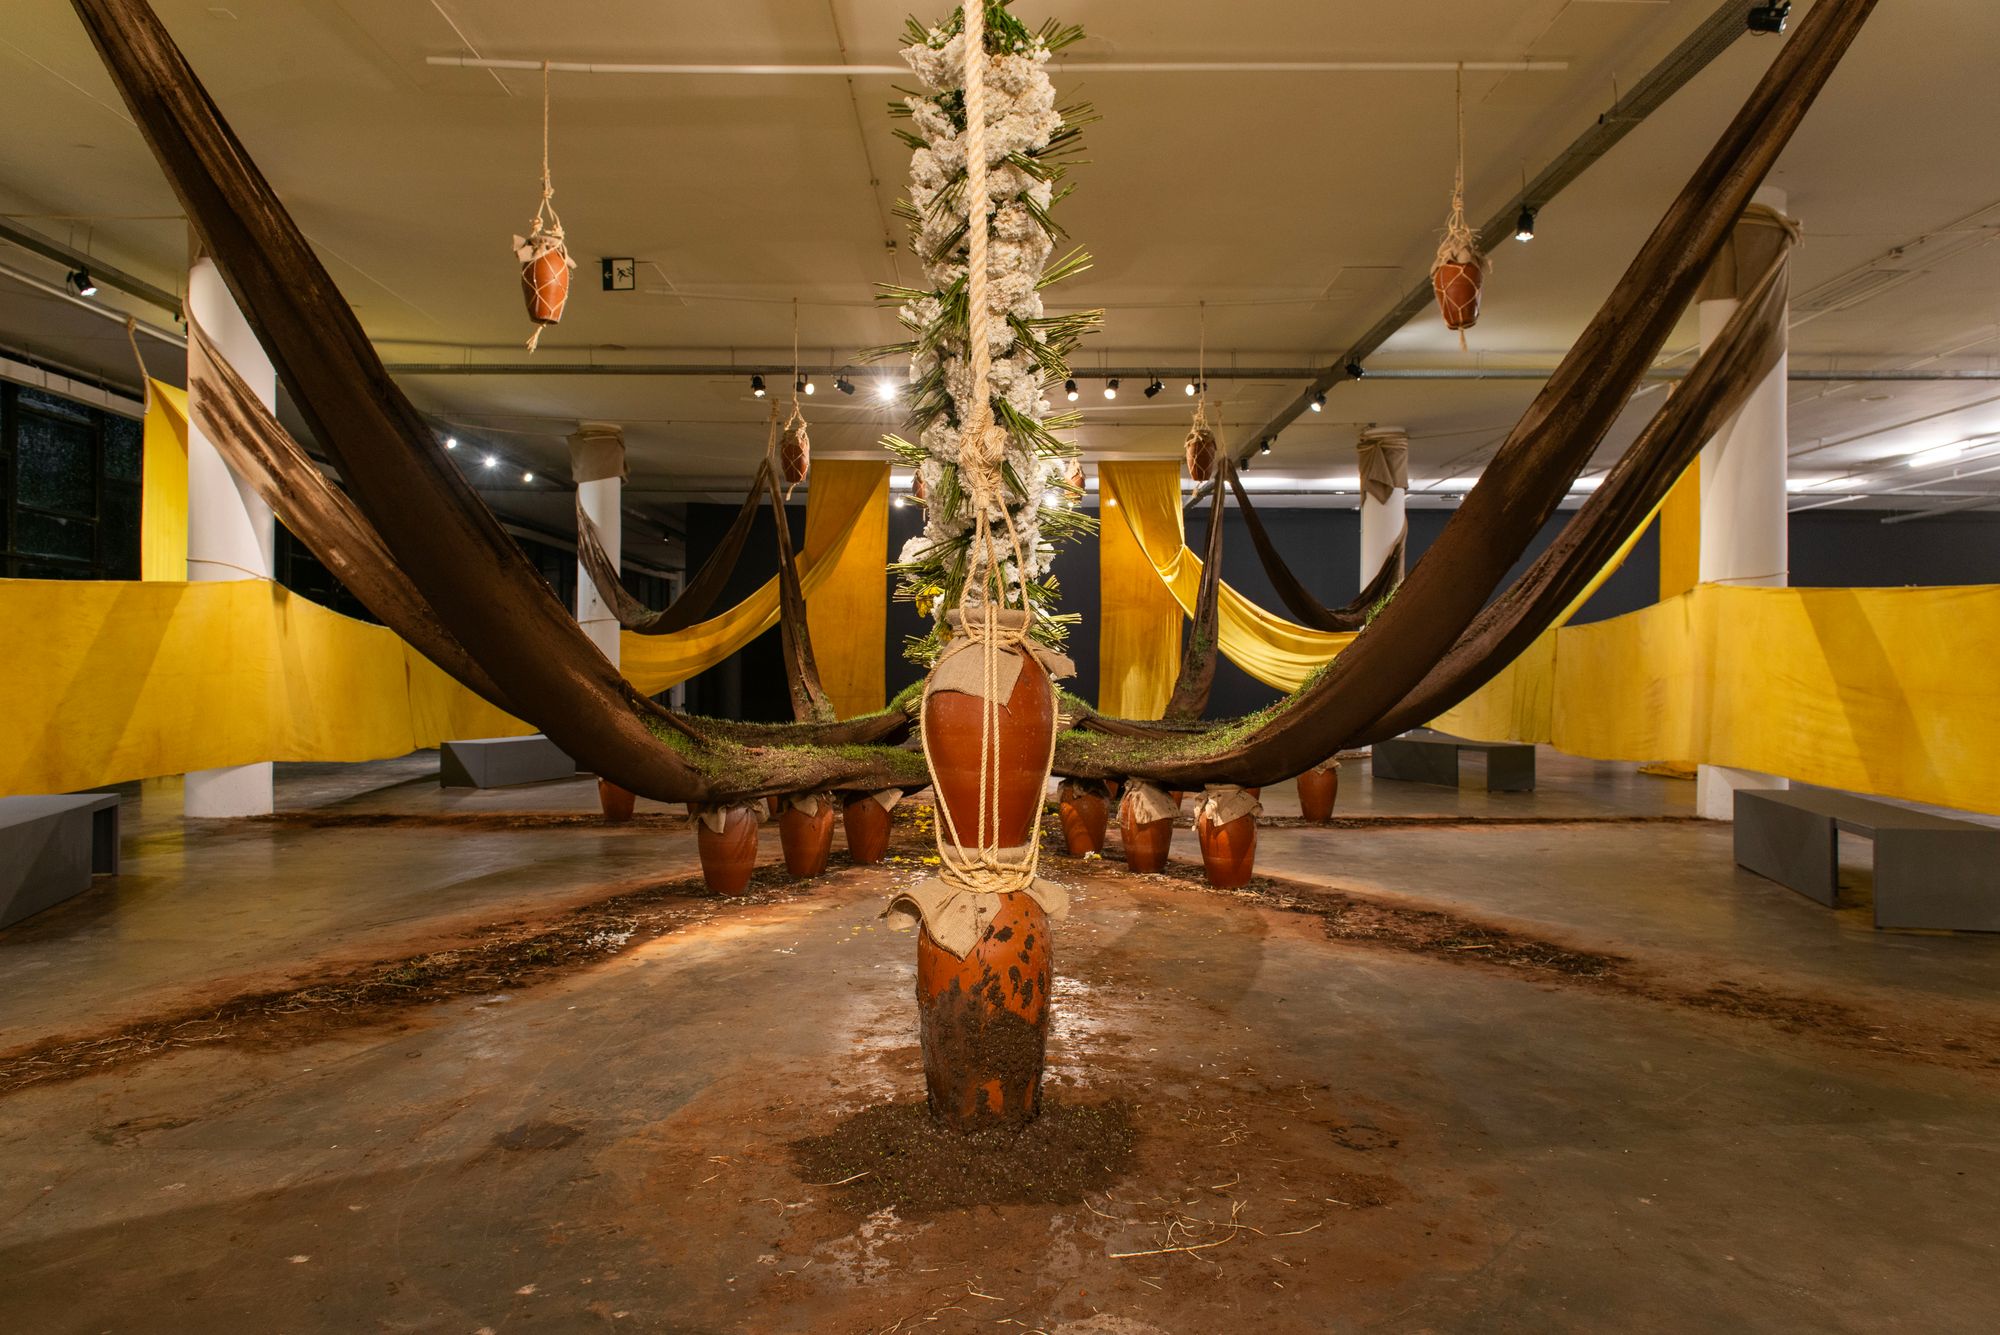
<point>1459,246</point>
<point>985,867</point>
<point>545,232</point>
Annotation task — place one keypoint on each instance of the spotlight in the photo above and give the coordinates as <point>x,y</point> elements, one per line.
<point>527,477</point>
<point>492,461</point>
<point>1355,370</point>
<point>1524,226</point>
<point>451,442</point>
<point>1265,447</point>
<point>757,386</point>
<point>1190,388</point>
<point>1154,388</point>
<point>1319,402</point>
<point>804,385</point>
<point>1770,18</point>
<point>1111,388</point>
<point>898,502</point>
<point>83,283</point>
<point>1069,390</point>
<point>843,384</point>
<point>885,390</point>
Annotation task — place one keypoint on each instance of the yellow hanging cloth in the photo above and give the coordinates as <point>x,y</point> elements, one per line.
<point>163,497</point>
<point>851,498</point>
<point>848,613</point>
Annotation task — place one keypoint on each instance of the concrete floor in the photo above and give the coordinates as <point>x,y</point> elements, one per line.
<point>1358,1137</point>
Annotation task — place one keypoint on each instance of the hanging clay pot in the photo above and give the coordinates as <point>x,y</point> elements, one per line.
<point>616,802</point>
<point>1226,823</point>
<point>866,821</point>
<point>1201,454</point>
<point>795,452</point>
<point>1086,812</point>
<point>1458,284</point>
<point>1317,788</point>
<point>726,838</point>
<point>951,730</point>
<point>805,829</point>
<point>1146,820</point>
<point>545,275</point>
<point>984,1020</point>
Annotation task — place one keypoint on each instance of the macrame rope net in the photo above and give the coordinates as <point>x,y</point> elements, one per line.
<point>545,232</point>
<point>981,867</point>
<point>795,423</point>
<point>1459,245</point>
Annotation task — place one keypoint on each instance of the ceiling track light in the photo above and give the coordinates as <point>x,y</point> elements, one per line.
<point>1154,388</point>
<point>1070,390</point>
<point>1770,18</point>
<point>1111,388</point>
<point>1265,446</point>
<point>885,390</point>
<point>1355,370</point>
<point>1319,402</point>
<point>843,384</point>
<point>1524,226</point>
<point>803,385</point>
<point>85,285</point>
<point>451,442</point>
<point>1190,389</point>
<point>757,386</point>
<point>527,477</point>
<point>492,461</point>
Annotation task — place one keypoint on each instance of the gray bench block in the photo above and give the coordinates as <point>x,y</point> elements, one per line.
<point>502,762</point>
<point>1432,757</point>
<point>51,846</point>
<point>1930,871</point>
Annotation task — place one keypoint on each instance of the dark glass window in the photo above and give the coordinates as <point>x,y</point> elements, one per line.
<point>69,488</point>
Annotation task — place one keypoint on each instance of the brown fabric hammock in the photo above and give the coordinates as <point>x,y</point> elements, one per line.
<point>1196,679</point>
<point>480,586</point>
<point>1298,600</point>
<point>1532,470</point>
<point>697,596</point>
<point>809,700</point>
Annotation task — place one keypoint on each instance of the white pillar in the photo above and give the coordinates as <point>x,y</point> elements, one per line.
<point>1384,454</point>
<point>230,534</point>
<point>597,463</point>
<point>1744,520</point>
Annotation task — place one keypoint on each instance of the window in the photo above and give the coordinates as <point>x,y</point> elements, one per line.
<point>69,488</point>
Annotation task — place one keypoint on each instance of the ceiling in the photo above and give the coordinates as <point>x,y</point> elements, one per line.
<point>1275,215</point>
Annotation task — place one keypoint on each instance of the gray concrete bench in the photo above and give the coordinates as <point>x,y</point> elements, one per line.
<point>51,846</point>
<point>1930,871</point>
<point>1432,757</point>
<point>502,762</point>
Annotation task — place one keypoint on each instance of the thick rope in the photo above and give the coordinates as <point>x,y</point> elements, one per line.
<point>982,447</point>
<point>1459,245</point>
<point>546,221</point>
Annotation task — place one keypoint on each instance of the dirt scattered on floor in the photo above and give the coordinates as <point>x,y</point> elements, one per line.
<point>538,1136</point>
<point>896,1156</point>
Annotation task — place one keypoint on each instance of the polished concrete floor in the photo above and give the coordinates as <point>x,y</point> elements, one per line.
<point>1334,1131</point>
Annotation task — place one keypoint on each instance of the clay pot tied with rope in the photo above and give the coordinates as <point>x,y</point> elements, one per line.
<point>1458,275</point>
<point>546,265</point>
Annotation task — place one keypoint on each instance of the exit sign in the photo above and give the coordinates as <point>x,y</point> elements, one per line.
<point>621,275</point>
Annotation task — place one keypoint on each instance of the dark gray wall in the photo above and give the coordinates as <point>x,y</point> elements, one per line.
<point>1832,548</point>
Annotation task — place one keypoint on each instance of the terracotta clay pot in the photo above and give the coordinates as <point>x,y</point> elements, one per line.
<point>728,858</point>
<point>1458,289</point>
<point>1254,792</point>
<point>1228,851</point>
<point>951,724</point>
<point>616,802</point>
<point>807,840</point>
<point>795,455</point>
<point>1146,842</point>
<point>1201,455</point>
<point>1317,788</point>
<point>867,825</point>
<point>545,286</point>
<point>1086,812</point>
<point>984,1020</point>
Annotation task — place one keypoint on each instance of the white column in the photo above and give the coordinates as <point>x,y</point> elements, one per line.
<point>597,463</point>
<point>230,534</point>
<point>1744,521</point>
<point>1384,460</point>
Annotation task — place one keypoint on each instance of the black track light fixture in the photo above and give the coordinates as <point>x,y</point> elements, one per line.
<point>1319,402</point>
<point>1524,226</point>
<point>85,285</point>
<point>1111,388</point>
<point>1070,390</point>
<point>843,384</point>
<point>1265,446</point>
<point>803,385</point>
<point>1770,18</point>
<point>1154,388</point>
<point>757,386</point>
<point>1355,370</point>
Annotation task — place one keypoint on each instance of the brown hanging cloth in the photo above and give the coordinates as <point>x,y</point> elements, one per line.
<point>1197,675</point>
<point>1298,600</point>
<point>697,596</point>
<point>810,703</point>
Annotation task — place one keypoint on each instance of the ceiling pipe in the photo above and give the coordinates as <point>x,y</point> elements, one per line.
<point>1059,67</point>
<point>97,308</point>
<point>107,275</point>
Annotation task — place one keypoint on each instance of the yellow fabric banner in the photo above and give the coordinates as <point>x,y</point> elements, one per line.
<point>125,680</point>
<point>843,490</point>
<point>1275,651</point>
<point>849,613</point>
<point>163,488</point>
<point>1680,535</point>
<point>1139,623</point>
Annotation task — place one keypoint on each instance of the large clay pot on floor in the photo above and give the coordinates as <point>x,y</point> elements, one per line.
<point>1086,813</point>
<point>615,801</point>
<point>1457,285</point>
<point>1147,825</point>
<point>805,830</point>
<point>1317,789</point>
<point>729,854</point>
<point>984,1020</point>
<point>1226,823</point>
<point>866,821</point>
